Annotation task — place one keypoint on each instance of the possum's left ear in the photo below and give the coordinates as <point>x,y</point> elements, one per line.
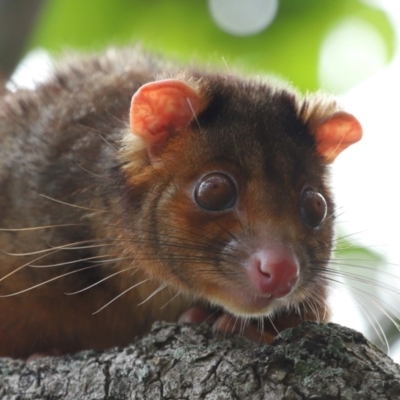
<point>335,133</point>
<point>160,109</point>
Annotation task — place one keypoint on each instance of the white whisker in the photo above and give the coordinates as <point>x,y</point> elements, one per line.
<point>121,294</point>
<point>72,262</point>
<point>25,265</point>
<point>100,281</point>
<point>170,300</point>
<point>35,228</point>
<point>49,280</point>
<point>162,287</point>
<point>72,205</point>
<point>54,248</point>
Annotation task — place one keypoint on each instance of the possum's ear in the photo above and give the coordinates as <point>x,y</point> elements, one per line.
<point>162,108</point>
<point>335,133</point>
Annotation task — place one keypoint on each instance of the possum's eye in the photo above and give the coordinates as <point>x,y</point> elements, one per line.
<point>313,208</point>
<point>215,192</point>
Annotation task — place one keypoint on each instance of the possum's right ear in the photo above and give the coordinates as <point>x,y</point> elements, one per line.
<point>335,133</point>
<point>163,108</point>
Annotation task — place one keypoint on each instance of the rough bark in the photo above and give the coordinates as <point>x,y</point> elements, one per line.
<point>190,362</point>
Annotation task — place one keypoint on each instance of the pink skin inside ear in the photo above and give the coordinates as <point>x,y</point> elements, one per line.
<point>336,133</point>
<point>161,107</point>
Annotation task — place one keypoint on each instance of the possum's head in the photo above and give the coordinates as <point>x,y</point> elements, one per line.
<point>232,181</point>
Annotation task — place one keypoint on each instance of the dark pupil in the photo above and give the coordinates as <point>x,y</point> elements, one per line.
<point>313,208</point>
<point>215,192</point>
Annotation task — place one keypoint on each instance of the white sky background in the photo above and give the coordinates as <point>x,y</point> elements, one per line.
<point>365,177</point>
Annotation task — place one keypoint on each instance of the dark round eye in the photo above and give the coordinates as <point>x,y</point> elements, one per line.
<point>215,192</point>
<point>313,208</point>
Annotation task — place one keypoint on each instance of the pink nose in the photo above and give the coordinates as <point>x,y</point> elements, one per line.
<point>273,270</point>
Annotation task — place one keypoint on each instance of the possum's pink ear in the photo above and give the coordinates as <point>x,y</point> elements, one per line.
<point>335,133</point>
<point>161,108</point>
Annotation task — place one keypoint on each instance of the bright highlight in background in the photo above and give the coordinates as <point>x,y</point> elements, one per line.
<point>243,18</point>
<point>352,51</point>
<point>33,69</point>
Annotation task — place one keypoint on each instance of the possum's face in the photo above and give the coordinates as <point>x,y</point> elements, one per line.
<point>237,205</point>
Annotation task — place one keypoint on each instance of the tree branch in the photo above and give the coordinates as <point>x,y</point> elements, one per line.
<point>190,362</point>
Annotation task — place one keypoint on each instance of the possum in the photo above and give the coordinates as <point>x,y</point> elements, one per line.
<point>136,189</point>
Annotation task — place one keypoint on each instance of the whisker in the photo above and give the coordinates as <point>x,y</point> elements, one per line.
<point>209,317</point>
<point>234,325</point>
<point>370,281</point>
<point>25,265</point>
<point>240,222</point>
<point>123,122</point>
<point>158,290</point>
<point>193,113</point>
<point>49,280</point>
<point>278,334</point>
<point>86,170</point>
<point>227,325</point>
<point>113,260</point>
<point>338,261</point>
<point>62,247</point>
<point>379,304</point>
<point>229,233</point>
<point>72,205</point>
<point>200,236</point>
<point>100,281</point>
<point>121,294</point>
<point>99,133</point>
<point>39,227</point>
<point>226,64</point>
<point>72,262</point>
<point>72,246</point>
<point>170,300</point>
<point>182,243</point>
<point>377,327</point>
<point>260,327</point>
<point>344,238</point>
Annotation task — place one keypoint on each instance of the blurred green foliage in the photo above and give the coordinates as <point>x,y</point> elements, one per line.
<point>289,48</point>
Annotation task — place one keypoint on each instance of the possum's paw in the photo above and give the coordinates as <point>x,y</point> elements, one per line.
<point>226,324</point>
